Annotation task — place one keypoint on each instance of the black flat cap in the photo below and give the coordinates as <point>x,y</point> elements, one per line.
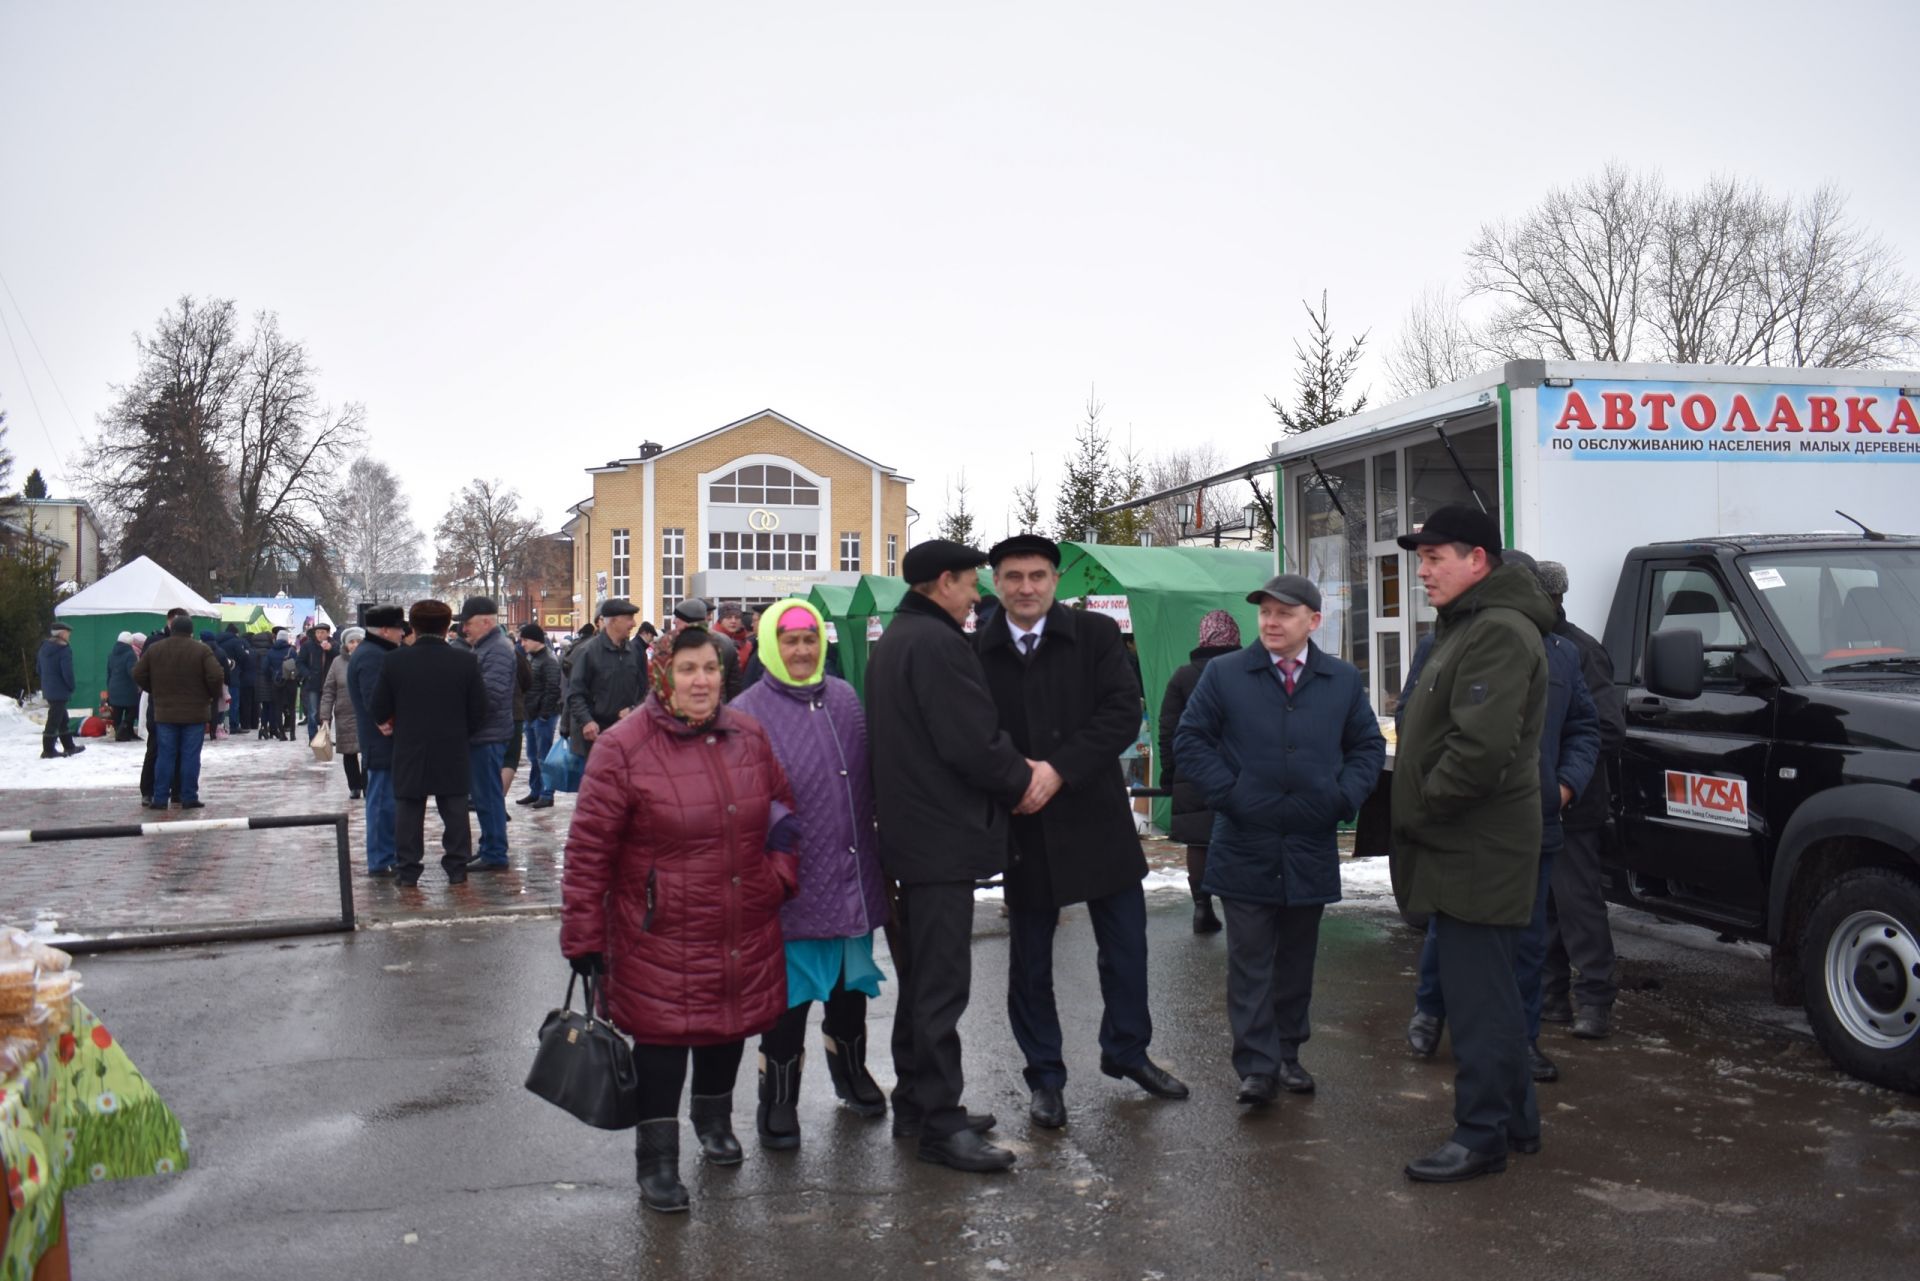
<point>474,606</point>
<point>1024,545</point>
<point>691,610</point>
<point>618,607</point>
<point>1288,589</point>
<point>1456,524</point>
<point>926,561</point>
<point>386,616</point>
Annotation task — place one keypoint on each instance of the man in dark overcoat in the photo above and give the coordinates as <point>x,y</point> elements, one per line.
<point>1283,742</point>
<point>1068,697</point>
<point>945,775</point>
<point>432,699</point>
<point>384,623</point>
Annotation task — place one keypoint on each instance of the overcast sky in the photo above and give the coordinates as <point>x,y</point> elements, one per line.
<point>528,237</point>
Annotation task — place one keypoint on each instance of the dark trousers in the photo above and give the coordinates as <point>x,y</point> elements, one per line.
<point>932,942</point>
<point>846,1020</point>
<point>284,697</point>
<point>125,718</point>
<point>249,706</point>
<point>350,762</point>
<point>152,757</point>
<point>662,1070</point>
<point>1196,870</point>
<point>1528,955</point>
<point>56,727</point>
<point>1270,955</point>
<point>1493,1099</point>
<point>410,835</point>
<point>1120,938</point>
<point>1580,937</point>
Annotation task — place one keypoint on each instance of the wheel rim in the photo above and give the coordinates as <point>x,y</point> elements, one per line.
<point>1873,979</point>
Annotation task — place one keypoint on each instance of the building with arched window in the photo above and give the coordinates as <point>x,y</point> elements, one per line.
<point>750,512</point>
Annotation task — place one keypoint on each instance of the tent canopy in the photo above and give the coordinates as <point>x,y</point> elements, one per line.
<point>875,597</point>
<point>252,618</point>
<point>137,587</point>
<point>296,613</point>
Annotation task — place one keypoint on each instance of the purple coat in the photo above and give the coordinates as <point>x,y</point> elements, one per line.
<point>819,734</point>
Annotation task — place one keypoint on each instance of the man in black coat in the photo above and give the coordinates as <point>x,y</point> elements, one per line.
<point>1068,697</point>
<point>432,699</point>
<point>384,624</point>
<point>945,775</point>
<point>315,656</point>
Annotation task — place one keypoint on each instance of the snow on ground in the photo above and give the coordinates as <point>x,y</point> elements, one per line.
<point>107,764</point>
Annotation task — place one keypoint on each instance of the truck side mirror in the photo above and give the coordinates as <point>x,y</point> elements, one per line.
<point>1676,663</point>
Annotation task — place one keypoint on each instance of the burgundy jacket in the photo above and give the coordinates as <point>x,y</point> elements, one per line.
<point>669,877</point>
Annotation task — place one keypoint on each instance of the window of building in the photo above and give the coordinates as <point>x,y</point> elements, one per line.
<point>764,486</point>
<point>673,570</point>
<point>893,555</point>
<point>850,552</point>
<point>622,563</point>
<point>787,553</point>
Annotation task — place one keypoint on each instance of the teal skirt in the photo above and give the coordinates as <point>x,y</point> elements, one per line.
<point>816,966</point>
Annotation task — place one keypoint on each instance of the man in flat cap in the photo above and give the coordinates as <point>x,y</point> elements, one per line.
<point>486,640</point>
<point>385,626</point>
<point>1282,741</point>
<point>1068,697</point>
<point>433,700</point>
<point>945,776</point>
<point>1467,825</point>
<point>606,675</point>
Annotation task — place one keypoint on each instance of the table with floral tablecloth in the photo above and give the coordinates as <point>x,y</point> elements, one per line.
<point>80,1113</point>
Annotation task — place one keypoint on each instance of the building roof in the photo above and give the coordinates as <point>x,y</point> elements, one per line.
<point>621,464</point>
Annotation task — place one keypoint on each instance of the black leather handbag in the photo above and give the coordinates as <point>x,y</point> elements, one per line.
<point>585,1066</point>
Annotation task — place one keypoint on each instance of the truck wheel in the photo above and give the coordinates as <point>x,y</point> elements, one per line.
<point>1861,960</point>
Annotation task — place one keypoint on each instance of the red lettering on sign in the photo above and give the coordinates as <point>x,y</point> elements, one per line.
<point>1720,794</point>
<point>1823,413</point>
<point>1740,417</point>
<point>1657,404</point>
<point>1698,412</point>
<point>1859,413</point>
<point>1904,419</point>
<point>1619,410</point>
<point>1784,418</point>
<point>1575,414</point>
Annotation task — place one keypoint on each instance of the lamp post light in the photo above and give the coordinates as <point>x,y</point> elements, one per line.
<point>1253,515</point>
<point>1183,512</point>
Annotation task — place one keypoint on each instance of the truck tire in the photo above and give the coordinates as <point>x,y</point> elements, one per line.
<point>1861,960</point>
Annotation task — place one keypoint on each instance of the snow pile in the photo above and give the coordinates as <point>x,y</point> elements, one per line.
<point>107,764</point>
<point>1366,880</point>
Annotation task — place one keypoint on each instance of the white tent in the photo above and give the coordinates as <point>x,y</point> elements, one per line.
<point>138,587</point>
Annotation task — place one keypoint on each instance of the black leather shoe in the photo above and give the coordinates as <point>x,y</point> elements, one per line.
<point>1047,1108</point>
<point>1593,1022</point>
<point>1556,1009</point>
<point>906,1123</point>
<point>1423,1033</point>
<point>966,1151</point>
<point>454,878</point>
<point>544,803</point>
<point>381,873</point>
<point>1204,921</point>
<point>1524,1146</point>
<point>528,799</point>
<point>193,805</point>
<point>406,882</point>
<point>1259,1090</point>
<point>1452,1163</point>
<point>74,749</point>
<point>1149,1076</point>
<point>1541,1066</point>
<point>1295,1078</point>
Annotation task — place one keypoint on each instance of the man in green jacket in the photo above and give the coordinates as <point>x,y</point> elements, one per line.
<point>1466,824</point>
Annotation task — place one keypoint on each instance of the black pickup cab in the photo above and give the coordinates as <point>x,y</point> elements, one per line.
<point>1769,787</point>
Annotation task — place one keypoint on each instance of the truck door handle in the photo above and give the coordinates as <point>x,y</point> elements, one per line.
<point>1648,703</point>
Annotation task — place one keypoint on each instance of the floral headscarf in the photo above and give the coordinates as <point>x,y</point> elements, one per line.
<point>660,680</point>
<point>779,617</point>
<point>1219,631</point>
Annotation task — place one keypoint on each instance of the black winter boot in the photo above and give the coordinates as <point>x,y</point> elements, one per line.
<point>847,1067</point>
<point>68,747</point>
<point>713,1122</point>
<point>778,1118</point>
<point>1204,921</point>
<point>657,1166</point>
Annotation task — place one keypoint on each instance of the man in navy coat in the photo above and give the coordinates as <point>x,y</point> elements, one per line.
<point>1282,741</point>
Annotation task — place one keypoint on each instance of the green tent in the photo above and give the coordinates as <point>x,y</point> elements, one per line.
<point>833,603</point>
<point>252,618</point>
<point>875,599</point>
<point>133,598</point>
<point>1167,591</point>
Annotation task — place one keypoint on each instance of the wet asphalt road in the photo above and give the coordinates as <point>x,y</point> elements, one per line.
<point>356,1111</point>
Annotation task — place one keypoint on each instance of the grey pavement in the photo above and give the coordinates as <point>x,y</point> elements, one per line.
<point>356,1110</point>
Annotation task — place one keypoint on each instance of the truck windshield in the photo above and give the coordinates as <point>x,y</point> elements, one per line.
<point>1854,609</point>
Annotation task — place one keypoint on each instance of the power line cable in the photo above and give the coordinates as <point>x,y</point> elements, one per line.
<point>28,384</point>
<point>44,362</point>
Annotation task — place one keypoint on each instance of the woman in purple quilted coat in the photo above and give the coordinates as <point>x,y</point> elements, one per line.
<point>819,733</point>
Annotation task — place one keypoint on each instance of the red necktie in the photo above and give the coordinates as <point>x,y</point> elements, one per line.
<point>1289,669</point>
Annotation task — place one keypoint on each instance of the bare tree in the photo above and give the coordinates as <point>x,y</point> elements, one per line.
<point>1216,505</point>
<point>1832,295</point>
<point>373,531</point>
<point>1321,377</point>
<point>480,539</point>
<point>1436,345</point>
<point>285,448</point>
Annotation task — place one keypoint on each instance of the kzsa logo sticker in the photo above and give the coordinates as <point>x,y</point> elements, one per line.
<point>1706,799</point>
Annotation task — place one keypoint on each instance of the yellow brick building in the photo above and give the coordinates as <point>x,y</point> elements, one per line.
<point>750,512</point>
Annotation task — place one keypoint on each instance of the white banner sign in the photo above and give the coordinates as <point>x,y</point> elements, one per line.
<point>1114,607</point>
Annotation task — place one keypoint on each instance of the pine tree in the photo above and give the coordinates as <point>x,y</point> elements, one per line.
<point>1084,490</point>
<point>1128,482</point>
<point>36,486</point>
<point>957,525</point>
<point>1024,517</point>
<point>1321,377</point>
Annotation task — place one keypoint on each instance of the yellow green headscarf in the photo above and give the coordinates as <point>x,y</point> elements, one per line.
<point>769,641</point>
